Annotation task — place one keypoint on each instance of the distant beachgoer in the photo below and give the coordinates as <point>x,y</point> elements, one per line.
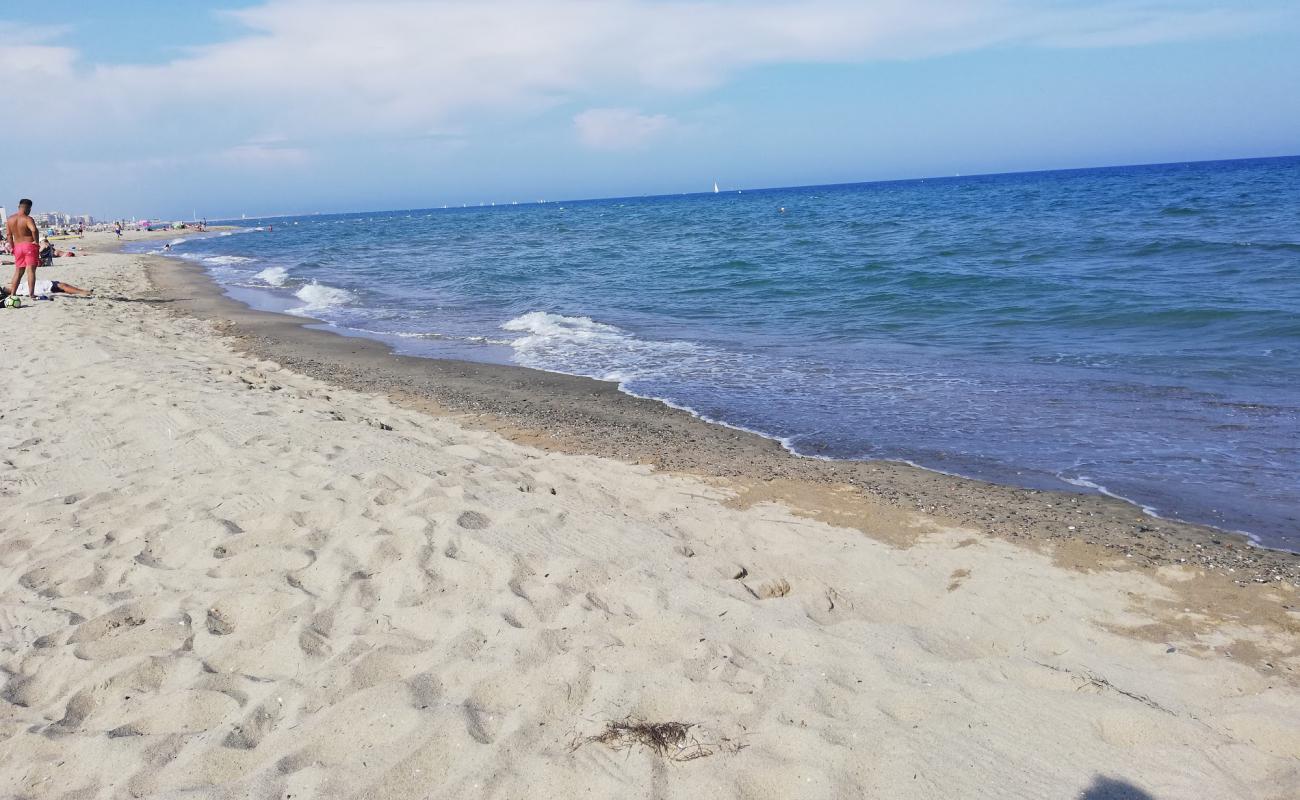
<point>117,228</point>
<point>22,234</point>
<point>47,288</point>
<point>49,252</point>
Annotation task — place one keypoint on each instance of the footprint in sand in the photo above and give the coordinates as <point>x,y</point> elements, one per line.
<point>771,589</point>
<point>131,629</point>
<point>314,642</point>
<point>473,521</point>
<point>482,725</point>
<point>425,690</point>
<point>957,578</point>
<point>81,706</point>
<point>219,624</point>
<point>247,735</point>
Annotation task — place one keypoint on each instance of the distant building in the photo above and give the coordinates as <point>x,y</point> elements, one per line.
<point>59,219</point>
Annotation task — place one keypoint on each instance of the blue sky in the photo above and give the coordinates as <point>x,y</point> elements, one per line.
<point>331,105</point>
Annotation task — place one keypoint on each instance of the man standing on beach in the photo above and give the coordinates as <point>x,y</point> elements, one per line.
<point>23,235</point>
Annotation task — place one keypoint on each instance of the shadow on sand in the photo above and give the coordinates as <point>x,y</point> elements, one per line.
<point>1104,788</point>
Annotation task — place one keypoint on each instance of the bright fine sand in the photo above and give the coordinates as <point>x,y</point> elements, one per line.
<point>222,579</point>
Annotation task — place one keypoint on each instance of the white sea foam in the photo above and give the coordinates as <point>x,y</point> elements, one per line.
<point>177,241</point>
<point>432,336</point>
<point>226,261</point>
<point>274,276</point>
<point>318,297</point>
<point>575,345</point>
<point>582,346</point>
<point>544,328</point>
<point>1084,482</point>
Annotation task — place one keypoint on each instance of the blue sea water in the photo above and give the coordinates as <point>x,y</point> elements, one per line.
<point>1129,330</point>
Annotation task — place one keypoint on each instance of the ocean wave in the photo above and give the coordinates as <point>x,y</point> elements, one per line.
<point>545,328</point>
<point>274,276</point>
<point>227,261</point>
<point>233,232</point>
<point>432,336</point>
<point>583,346</point>
<point>318,297</point>
<point>176,241</point>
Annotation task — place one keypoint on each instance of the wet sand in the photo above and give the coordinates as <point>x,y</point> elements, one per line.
<point>581,415</point>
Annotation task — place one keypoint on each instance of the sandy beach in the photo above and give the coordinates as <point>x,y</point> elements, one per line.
<point>242,558</point>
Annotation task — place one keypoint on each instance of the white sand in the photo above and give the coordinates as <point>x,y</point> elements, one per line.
<point>222,579</point>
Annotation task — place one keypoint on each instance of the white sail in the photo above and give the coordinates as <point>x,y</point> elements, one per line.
<point>715,187</point>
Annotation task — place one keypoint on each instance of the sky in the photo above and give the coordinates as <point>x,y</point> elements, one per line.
<point>221,108</point>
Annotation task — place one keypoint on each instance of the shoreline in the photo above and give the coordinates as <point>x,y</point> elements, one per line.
<point>221,577</point>
<point>580,415</point>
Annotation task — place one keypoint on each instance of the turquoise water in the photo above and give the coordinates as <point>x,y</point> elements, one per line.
<point>1131,330</point>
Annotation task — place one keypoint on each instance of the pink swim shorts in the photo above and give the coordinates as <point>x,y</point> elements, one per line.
<point>26,254</point>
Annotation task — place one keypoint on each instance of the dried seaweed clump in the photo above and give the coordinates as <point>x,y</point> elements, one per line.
<point>670,740</point>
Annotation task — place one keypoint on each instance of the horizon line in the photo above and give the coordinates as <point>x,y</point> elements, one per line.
<point>958,176</point>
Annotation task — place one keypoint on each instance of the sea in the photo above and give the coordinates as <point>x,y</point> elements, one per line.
<point>1131,331</point>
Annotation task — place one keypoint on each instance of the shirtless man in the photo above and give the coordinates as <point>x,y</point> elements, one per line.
<point>23,235</point>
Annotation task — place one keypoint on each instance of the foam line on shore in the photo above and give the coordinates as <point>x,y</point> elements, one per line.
<point>584,415</point>
<point>578,345</point>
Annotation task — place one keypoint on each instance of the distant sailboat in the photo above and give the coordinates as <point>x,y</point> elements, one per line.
<point>715,187</point>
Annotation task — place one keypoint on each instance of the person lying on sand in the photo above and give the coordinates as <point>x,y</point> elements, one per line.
<point>47,288</point>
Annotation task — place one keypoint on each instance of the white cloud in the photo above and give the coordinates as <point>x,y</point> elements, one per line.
<point>320,70</point>
<point>260,155</point>
<point>1140,25</point>
<point>619,128</point>
<point>27,55</point>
